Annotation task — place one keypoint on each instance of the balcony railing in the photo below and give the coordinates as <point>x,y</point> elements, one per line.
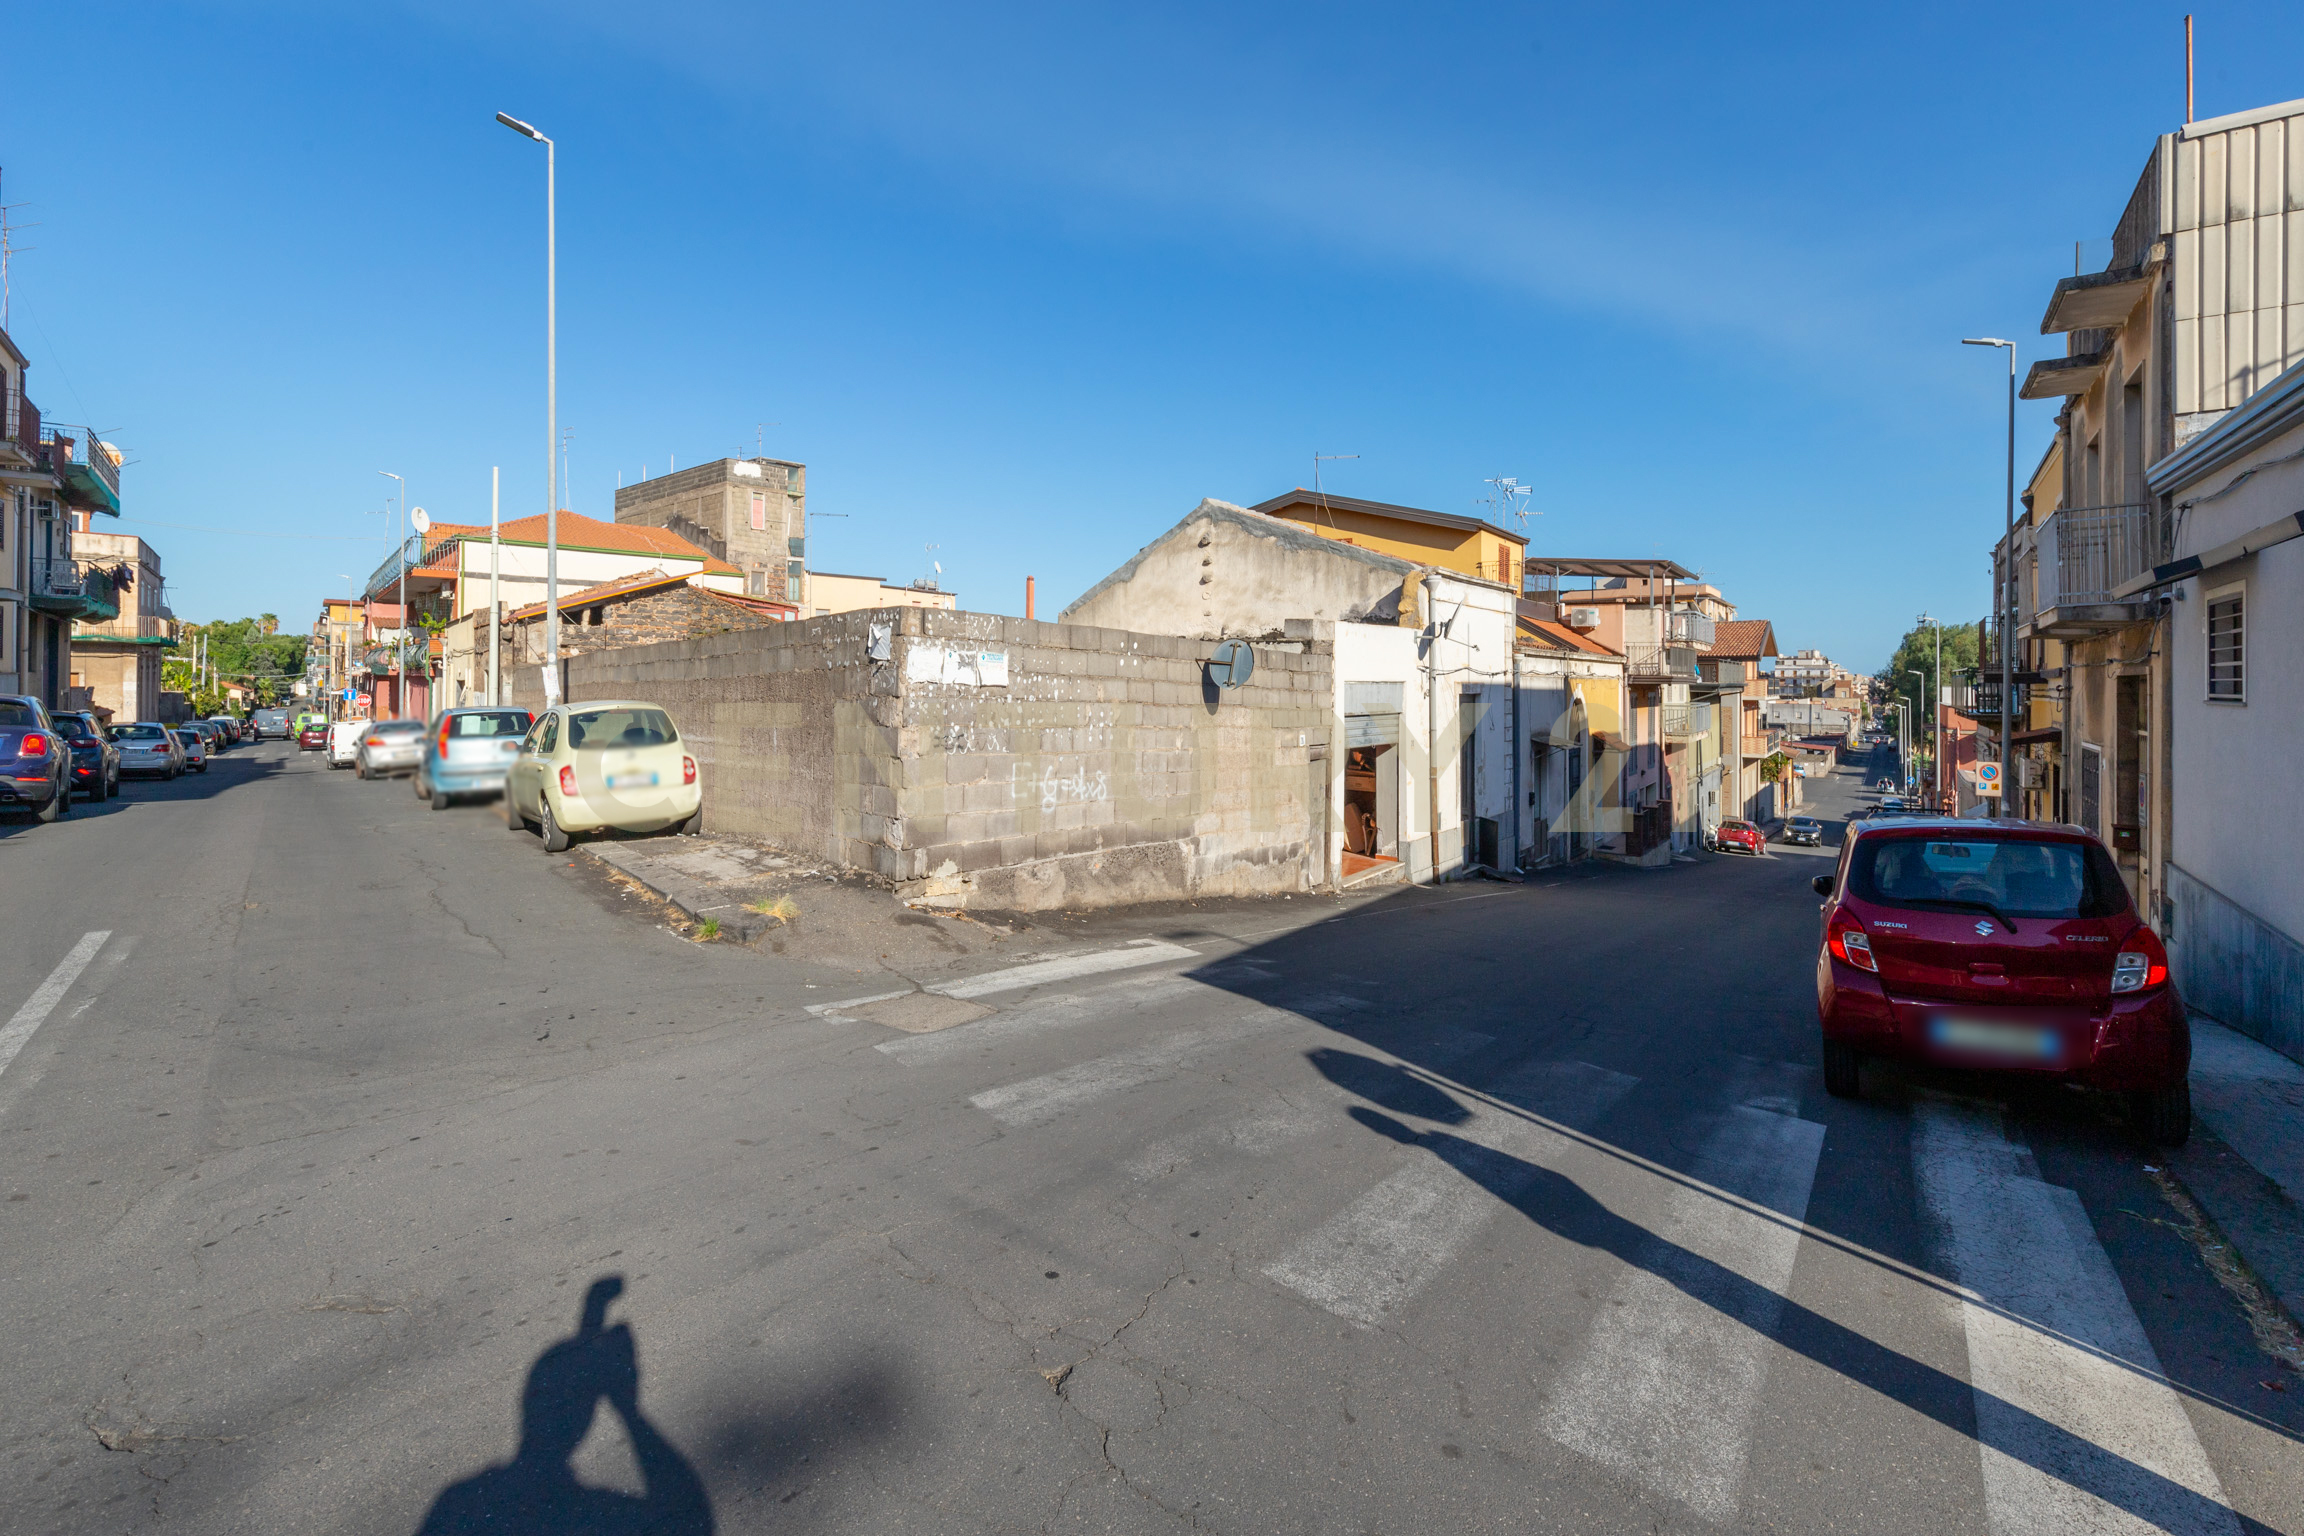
<point>62,585</point>
<point>2085,552</point>
<point>1757,746</point>
<point>20,423</point>
<point>1508,571</point>
<point>1688,627</point>
<point>1660,664</point>
<point>1685,722</point>
<point>76,452</point>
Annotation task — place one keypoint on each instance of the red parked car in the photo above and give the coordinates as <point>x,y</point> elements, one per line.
<point>312,738</point>
<point>1739,834</point>
<point>2010,947</point>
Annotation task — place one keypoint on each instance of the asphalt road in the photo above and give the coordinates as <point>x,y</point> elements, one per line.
<point>1492,1208</point>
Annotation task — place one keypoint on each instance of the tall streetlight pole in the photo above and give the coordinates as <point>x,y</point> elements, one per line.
<point>551,397</point>
<point>400,636</point>
<point>1939,754</point>
<point>1936,698</point>
<point>2003,578</point>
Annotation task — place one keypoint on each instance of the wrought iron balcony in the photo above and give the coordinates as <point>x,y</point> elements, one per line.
<point>65,587</point>
<point>2086,552</point>
<point>1685,722</point>
<point>88,466</point>
<point>1660,664</point>
<point>19,426</point>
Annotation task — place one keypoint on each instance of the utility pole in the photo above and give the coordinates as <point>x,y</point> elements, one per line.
<point>495,604</point>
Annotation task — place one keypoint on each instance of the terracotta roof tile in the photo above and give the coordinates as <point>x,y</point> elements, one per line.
<point>1744,639</point>
<point>580,532</point>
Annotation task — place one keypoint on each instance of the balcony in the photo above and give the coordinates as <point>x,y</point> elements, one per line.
<point>89,467</point>
<point>1508,572</point>
<point>1660,664</point>
<point>1687,722</point>
<point>1979,699</point>
<point>19,427</point>
<point>1689,628</point>
<point>2086,552</point>
<point>68,589</point>
<point>1756,747</point>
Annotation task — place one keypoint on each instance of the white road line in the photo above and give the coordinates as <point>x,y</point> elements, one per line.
<point>1259,1133</point>
<point>1039,1099</point>
<point>832,1010</point>
<point>38,1006</point>
<point>1042,1015</point>
<point>2070,1440</point>
<point>1367,1260</point>
<point>1065,967</point>
<point>1671,1375</point>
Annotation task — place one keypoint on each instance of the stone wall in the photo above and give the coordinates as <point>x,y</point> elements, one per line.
<point>992,762</point>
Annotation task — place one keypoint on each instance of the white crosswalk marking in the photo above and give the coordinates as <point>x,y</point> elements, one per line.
<point>2071,1439</point>
<point>1671,1374</point>
<point>1039,1099</point>
<point>1368,1259</point>
<point>1066,967</point>
<point>1043,1016</point>
<point>44,999</point>
<point>1259,1133</point>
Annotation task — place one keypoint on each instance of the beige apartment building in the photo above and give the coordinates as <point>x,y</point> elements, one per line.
<point>832,593</point>
<point>2196,312</point>
<point>118,659</point>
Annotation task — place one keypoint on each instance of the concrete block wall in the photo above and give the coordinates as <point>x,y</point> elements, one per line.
<point>1104,771</point>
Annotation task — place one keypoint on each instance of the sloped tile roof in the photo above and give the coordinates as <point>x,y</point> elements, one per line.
<point>1744,639</point>
<point>580,532</point>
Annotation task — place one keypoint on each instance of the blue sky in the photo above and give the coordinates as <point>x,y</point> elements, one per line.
<point>1024,283</point>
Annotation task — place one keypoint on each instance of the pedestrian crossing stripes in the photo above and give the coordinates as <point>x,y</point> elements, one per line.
<point>1043,1098</point>
<point>1368,1259</point>
<point>2076,1428</point>
<point>1670,1376</point>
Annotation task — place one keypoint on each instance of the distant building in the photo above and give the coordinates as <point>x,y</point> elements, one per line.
<point>829,593</point>
<point>1442,541</point>
<point>118,659</point>
<point>751,513</point>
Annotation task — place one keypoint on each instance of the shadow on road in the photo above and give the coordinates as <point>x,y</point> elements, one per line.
<point>536,1493</point>
<point>1562,1207</point>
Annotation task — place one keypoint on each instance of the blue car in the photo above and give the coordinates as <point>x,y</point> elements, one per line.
<point>35,760</point>
<point>467,752</point>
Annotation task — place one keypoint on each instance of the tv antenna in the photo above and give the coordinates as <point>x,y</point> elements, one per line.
<point>1510,501</point>
<point>9,250</point>
<point>1319,458</point>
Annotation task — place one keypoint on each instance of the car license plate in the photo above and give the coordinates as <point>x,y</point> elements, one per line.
<point>632,781</point>
<point>2016,1042</point>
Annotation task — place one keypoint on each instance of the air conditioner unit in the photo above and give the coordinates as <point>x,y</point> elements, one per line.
<point>1583,618</point>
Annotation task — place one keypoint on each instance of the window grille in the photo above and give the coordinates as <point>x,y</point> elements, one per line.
<point>2227,626</point>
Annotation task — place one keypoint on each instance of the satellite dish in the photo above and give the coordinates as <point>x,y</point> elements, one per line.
<point>420,521</point>
<point>1233,664</point>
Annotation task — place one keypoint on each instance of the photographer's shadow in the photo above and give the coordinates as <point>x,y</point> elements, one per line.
<point>536,1492</point>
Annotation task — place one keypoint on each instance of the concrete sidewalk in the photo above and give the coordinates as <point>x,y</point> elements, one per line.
<point>2245,1163</point>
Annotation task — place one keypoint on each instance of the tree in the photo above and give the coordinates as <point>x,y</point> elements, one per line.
<point>1918,650</point>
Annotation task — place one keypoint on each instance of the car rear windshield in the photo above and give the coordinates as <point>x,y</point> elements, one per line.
<point>13,713</point>
<point>595,729</point>
<point>140,733</point>
<point>2020,877</point>
<point>74,729</point>
<point>503,722</point>
<point>398,728</point>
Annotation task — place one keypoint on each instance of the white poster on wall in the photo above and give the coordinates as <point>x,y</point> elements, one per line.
<point>551,685</point>
<point>945,664</point>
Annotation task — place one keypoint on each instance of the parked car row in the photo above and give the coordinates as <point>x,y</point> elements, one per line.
<point>47,757</point>
<point>613,764</point>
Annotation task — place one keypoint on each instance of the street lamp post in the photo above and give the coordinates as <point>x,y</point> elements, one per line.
<point>2003,576</point>
<point>551,396</point>
<point>400,635</point>
<point>1939,753</point>
<point>1936,699</point>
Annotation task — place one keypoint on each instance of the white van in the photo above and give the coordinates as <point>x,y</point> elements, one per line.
<point>344,741</point>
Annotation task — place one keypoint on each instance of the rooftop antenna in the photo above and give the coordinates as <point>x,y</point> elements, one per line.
<point>9,250</point>
<point>1510,501</point>
<point>760,437</point>
<point>2187,71</point>
<point>935,566</point>
<point>1318,458</point>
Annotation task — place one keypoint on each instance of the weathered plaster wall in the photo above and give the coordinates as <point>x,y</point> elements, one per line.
<point>1101,770</point>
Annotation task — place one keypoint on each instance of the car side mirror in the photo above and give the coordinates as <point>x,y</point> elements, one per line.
<point>1822,885</point>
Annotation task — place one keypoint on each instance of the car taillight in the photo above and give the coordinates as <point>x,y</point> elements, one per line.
<point>567,779</point>
<point>443,738</point>
<point>35,745</point>
<point>2142,962</point>
<point>1848,941</point>
<point>687,770</point>
<point>373,741</point>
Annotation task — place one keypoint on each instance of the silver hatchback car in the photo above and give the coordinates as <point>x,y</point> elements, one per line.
<point>389,747</point>
<point>467,752</point>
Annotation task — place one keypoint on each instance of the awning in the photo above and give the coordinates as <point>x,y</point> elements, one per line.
<point>2052,377</point>
<point>2048,733</point>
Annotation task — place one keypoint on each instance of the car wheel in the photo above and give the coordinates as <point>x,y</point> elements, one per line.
<point>555,838</point>
<point>1843,1070</point>
<point>359,769</point>
<point>2163,1116</point>
<point>439,800</point>
<point>52,809</point>
<point>694,824</point>
<point>423,790</point>
<point>513,820</point>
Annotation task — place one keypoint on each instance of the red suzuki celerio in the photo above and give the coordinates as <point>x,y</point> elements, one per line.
<point>2007,946</point>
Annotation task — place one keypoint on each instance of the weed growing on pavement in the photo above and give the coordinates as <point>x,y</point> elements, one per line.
<point>783,908</point>
<point>709,930</point>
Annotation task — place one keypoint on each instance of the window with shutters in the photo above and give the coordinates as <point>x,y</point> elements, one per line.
<point>759,513</point>
<point>2227,649</point>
